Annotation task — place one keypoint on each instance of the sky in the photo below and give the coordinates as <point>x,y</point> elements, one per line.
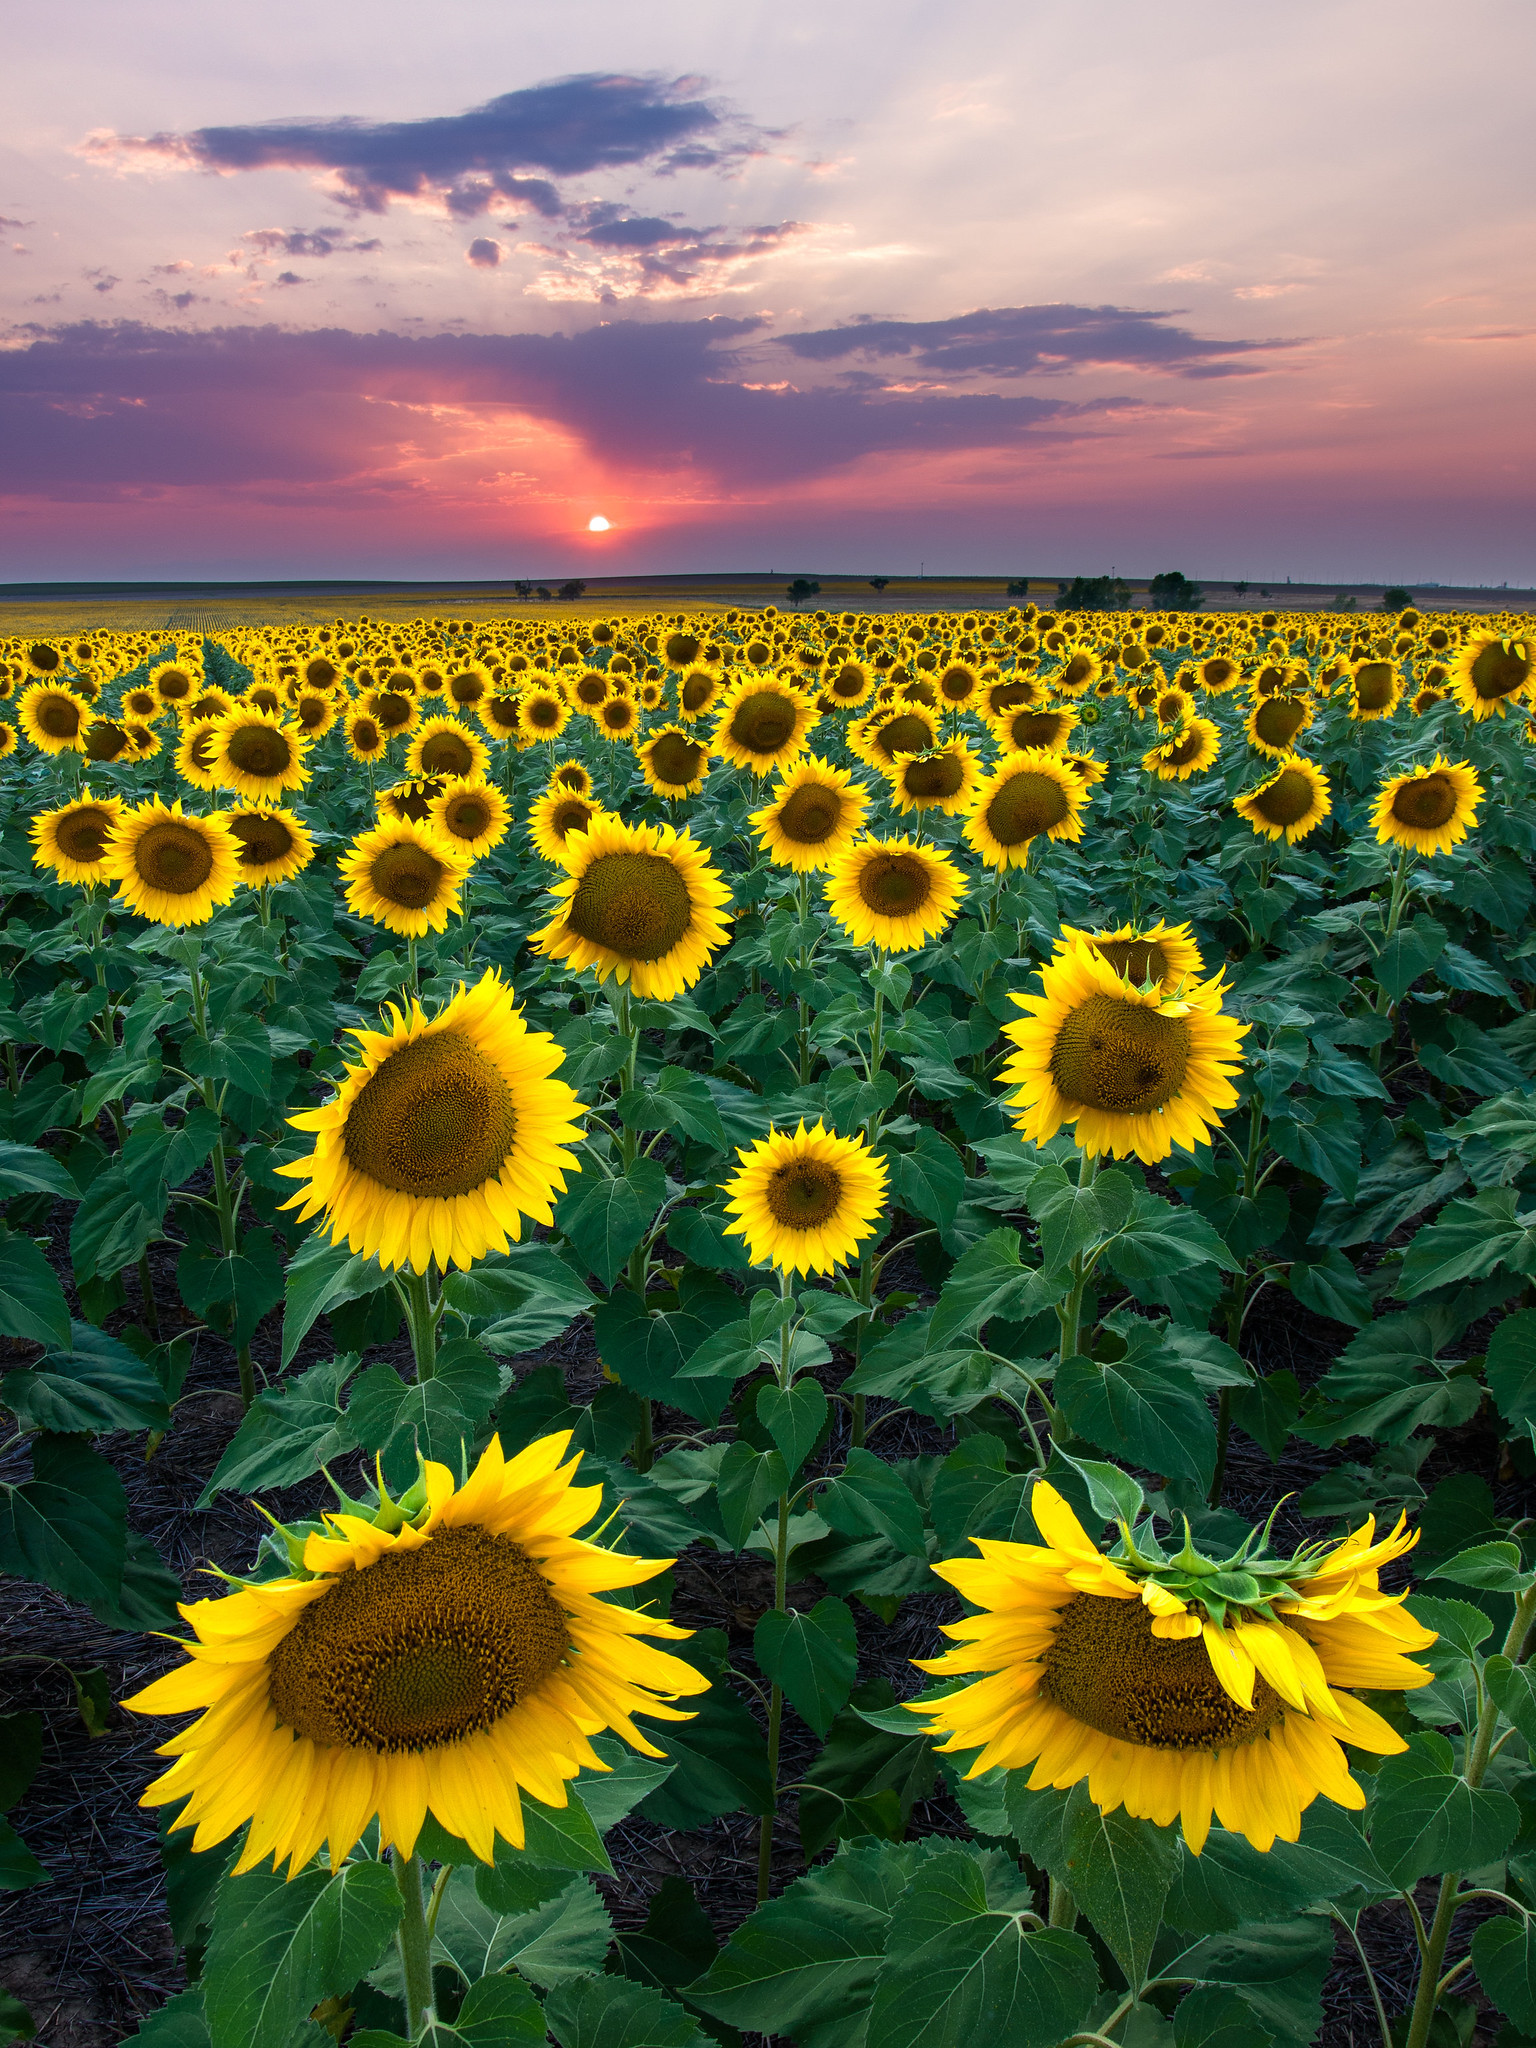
<point>1045,288</point>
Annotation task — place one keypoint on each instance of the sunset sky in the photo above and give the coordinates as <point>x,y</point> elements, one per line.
<point>391,291</point>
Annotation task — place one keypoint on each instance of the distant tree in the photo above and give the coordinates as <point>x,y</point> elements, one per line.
<point>878,582</point>
<point>1094,594</point>
<point>545,591</point>
<point>1396,599</point>
<point>573,589</point>
<point>523,589</point>
<point>798,591</point>
<point>1346,601</point>
<point>1019,587</point>
<point>1173,592</point>
<point>1241,589</point>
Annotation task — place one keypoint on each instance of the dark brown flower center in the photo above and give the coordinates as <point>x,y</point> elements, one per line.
<point>1139,960</point>
<point>1374,683</point>
<point>406,875</point>
<point>82,834</point>
<point>106,740</point>
<point>173,857</point>
<point>1427,802</point>
<point>263,838</point>
<point>895,884</point>
<point>437,1118</point>
<point>763,721</point>
<point>1038,728</point>
<point>934,779</point>
<point>1108,1671</point>
<point>810,814</point>
<point>680,649</point>
<point>634,904</point>
<point>60,717</point>
<point>1287,799</point>
<point>447,753</point>
<point>393,712</point>
<point>904,734</point>
<point>1119,1056</point>
<point>1499,670</point>
<point>803,1193</point>
<point>1028,803</point>
<point>675,759</point>
<point>468,815</point>
<point>263,751</point>
<point>1279,719</point>
<point>574,816</point>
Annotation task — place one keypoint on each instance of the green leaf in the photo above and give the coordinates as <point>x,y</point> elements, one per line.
<point>700,1236</point>
<point>609,1795</point>
<point>869,1499</point>
<point>1510,1369</point>
<point>1210,2016</point>
<point>66,1527</point>
<point>605,1218</point>
<point>1113,1495</point>
<point>650,1347</point>
<point>720,1757</point>
<point>610,2012</point>
<point>1278,1969</point>
<point>794,1417</point>
<point>563,1937</point>
<point>928,1181</point>
<point>321,1276</point>
<point>1428,1820</point>
<point>436,1416</point>
<point>677,1942</point>
<point>96,1386</point>
<point>1467,1241</point>
<point>289,1432</point>
<point>1142,1409</point>
<point>1504,1957</point>
<point>19,1868</point>
<point>749,1482</point>
<point>987,1280</point>
<point>1231,1882</point>
<point>118,1218</point>
<point>1411,951</point>
<point>1321,1135</point>
<point>239,1052</point>
<point>1491,1567</point>
<point>277,1949</point>
<point>32,1304</point>
<point>1388,1382</point>
<point>1119,1871</point>
<point>1267,1411</point>
<point>179,2023</point>
<point>233,1290</point>
<point>1161,1239</point>
<point>530,1294</point>
<point>1331,1286</point>
<point>813,1657</point>
<point>1071,1218</point>
<point>691,1107</point>
<point>868,1776</point>
<point>1514,1689</point>
<point>26,1170</point>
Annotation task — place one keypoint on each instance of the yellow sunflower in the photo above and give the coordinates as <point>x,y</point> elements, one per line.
<point>1429,809</point>
<point>206,704</point>
<point>542,714</point>
<point>107,740</point>
<point>804,1202</point>
<point>571,775</point>
<point>472,812</point>
<point>893,730</point>
<point>590,689</point>
<point>442,1654</point>
<point>1274,724</point>
<point>1375,689</point>
<point>893,893</point>
<point>1162,953</point>
<point>673,762</point>
<point>697,688</point>
<point>412,798</point>
<point>174,682</point>
<point>72,838</point>
<point>7,739</point>
<point>468,686</point>
<point>816,814</point>
<point>957,683</point>
<point>1026,794</point>
<point>1174,1702</point>
<point>762,723</point>
<point>848,683</point>
<point>53,718</point>
<point>171,867</point>
<point>1492,671</point>
<point>500,715</point>
<point>1033,726</point>
<point>366,738</point>
<point>43,658</point>
<point>259,756</point>
<point>1009,693</point>
<point>393,711</point>
<point>1088,768</point>
<point>945,780</point>
<point>443,1136</point>
<point>1188,752</point>
<point>442,746</point>
<point>1217,674</point>
<point>403,876</point>
<point>642,903</point>
<point>1079,671</point>
<point>143,705</point>
<point>617,717</point>
<point>1291,800</point>
<point>274,846</point>
<point>555,816</point>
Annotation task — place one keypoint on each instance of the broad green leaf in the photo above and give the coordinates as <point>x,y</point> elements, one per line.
<point>869,1499</point>
<point>529,1293</point>
<point>1267,1411</point>
<point>750,1481</point>
<point>1504,1957</point>
<point>794,1417</point>
<point>1491,1567</point>
<point>609,1795</point>
<point>1389,1381</point>
<point>605,1218</point>
<point>32,1304</point>
<point>1411,951</point>
<point>1113,1495</point>
<point>66,1527</point>
<point>869,1775</point>
<point>677,1942</point>
<point>610,2012</point>
<point>289,1432</point>
<point>563,1937</point>
<point>1119,1871</point>
<point>928,1181</point>
<point>119,1216</point>
<point>813,1657</point>
<point>1321,1135</point>
<point>719,1758</point>
<point>179,2023</point>
<point>649,1346</point>
<point>1514,1688</point>
<point>1210,2016</point>
<point>1331,1286</point>
<point>277,1949</point>
<point>1278,1969</point>
<point>1230,1881</point>
<point>96,1386</point>
<point>1468,1240</point>
<point>1510,1368</point>
<point>26,1170</point>
<point>988,1280</point>
<point>1426,1820</point>
<point>19,1868</point>
<point>1160,1238</point>
<point>1142,1409</point>
<point>321,1276</point>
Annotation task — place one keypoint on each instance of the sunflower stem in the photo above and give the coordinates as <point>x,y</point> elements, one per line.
<point>414,1942</point>
<point>1063,1909</point>
<point>421,1321</point>
<point>1069,1312</point>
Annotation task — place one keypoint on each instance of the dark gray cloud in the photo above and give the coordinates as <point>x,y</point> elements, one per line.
<point>1019,341</point>
<point>483,252</point>
<point>306,241</point>
<point>671,254</point>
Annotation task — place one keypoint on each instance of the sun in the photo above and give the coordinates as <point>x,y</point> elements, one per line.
<point>597,523</point>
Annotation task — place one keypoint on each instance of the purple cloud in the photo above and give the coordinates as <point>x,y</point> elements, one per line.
<point>483,253</point>
<point>305,241</point>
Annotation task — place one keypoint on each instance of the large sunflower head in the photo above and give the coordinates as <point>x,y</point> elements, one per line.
<point>617,717</point>
<point>1158,955</point>
<point>366,738</point>
<point>1184,1688</point>
<point>1492,671</point>
<point>108,740</point>
<point>542,714</point>
<point>957,683</point>
<point>893,893</point>
<point>805,1201</point>
<point>444,1134</point>
<point>698,687</point>
<point>1190,751</point>
<point>443,1653</point>
<point>673,761</point>
<point>762,724</point>
<point>403,876</point>
<point>945,779</point>
<point>393,711</point>
<point>1217,674</point>
<point>1375,688</point>
<point>498,714</point>
<point>208,703</point>
<point>258,755</point>
<point>642,903</point>
<point>170,867</point>
<point>274,846</point>
<point>442,746</point>
<point>72,838</point>
<point>174,682</point>
<point>143,704</point>
<point>1430,809</point>
<point>590,689</point>
<point>473,813</point>
<point>1026,795</point>
<point>896,729</point>
<point>816,814</point>
<point>44,658</point>
<point>1034,726</point>
<point>54,719</point>
<point>1274,724</point>
<point>1009,693</point>
<point>1080,669</point>
<point>1132,1070</point>
<point>468,686</point>
<point>1289,803</point>
<point>848,682</point>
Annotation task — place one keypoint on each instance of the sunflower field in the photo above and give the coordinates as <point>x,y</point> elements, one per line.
<point>722,1327</point>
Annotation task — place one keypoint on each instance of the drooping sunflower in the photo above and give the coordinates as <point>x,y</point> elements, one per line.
<point>945,780</point>
<point>573,776</point>
<point>146,742</point>
<point>893,730</point>
<point>1491,672</point>
<point>555,816</point>
<point>805,1201</point>
<point>107,740</point>
<point>1079,671</point>
<point>274,845</point>
<point>442,746</point>
<point>472,812</point>
<point>1131,1069</point>
<point>43,658</point>
<point>72,838</point>
<point>259,756</point>
<point>499,715</point>
<point>53,718</point>
<point>393,711</point>
<point>443,1136</point>
<point>816,814</point>
<point>1430,809</point>
<point>441,1654</point>
<point>1164,953</point>
<point>673,762</point>
<point>403,876</point>
<point>412,798</point>
<point>763,723</point>
<point>1009,693</point>
<point>1026,795</point>
<point>1188,752</point>
<point>366,738</point>
<point>1030,726</point>
<point>1131,1672</point>
<point>643,903</point>
<point>542,714</point>
<point>172,867</point>
<point>1375,689</point>
<point>174,682</point>
<point>1289,802</point>
<point>1274,724</point>
<point>893,893</point>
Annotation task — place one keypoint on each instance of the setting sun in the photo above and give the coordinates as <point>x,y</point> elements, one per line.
<point>597,523</point>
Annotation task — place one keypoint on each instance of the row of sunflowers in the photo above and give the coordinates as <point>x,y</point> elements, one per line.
<point>935,1064</point>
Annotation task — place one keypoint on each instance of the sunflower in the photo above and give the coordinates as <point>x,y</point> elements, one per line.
<point>442,746</point>
<point>393,711</point>
<point>1162,953</point>
<point>467,687</point>
<point>673,762</point>
<point>317,671</point>
<point>206,704</point>
<point>1490,672</point>
<point>697,689</point>
<point>1217,674</point>
<point>171,867</point>
<point>274,846</point>
<point>1170,1700</point>
<point>1274,724</point>
<point>1088,768</point>
<point>1009,693</point>
<point>893,893</point>
<point>443,1136</point>
<point>572,775</point>
<point>1375,689</point>
<point>893,730</point>
<point>107,740</point>
<point>263,697</point>
<point>944,780</point>
<point>53,718</point>
<point>258,756</point>
<point>617,717</point>
<point>1174,705</point>
<point>1189,752</point>
<point>590,689</point>
<point>642,903</point>
<point>957,684</point>
<point>72,839</point>
<point>762,723</point>
<point>1079,671</point>
<point>403,876</point>
<point>805,1202</point>
<point>174,682</point>
<point>366,738</point>
<point>142,704</point>
<point>412,798</point>
<point>848,682</point>
<point>1428,809</point>
<point>472,812</point>
<point>43,658</point>
<point>1289,802</point>
<point>441,1654</point>
<point>499,715</point>
<point>146,742</point>
<point>1132,1069</point>
<point>542,714</point>
<point>7,739</point>
<point>1031,726</point>
<point>555,816</point>
<point>816,814</point>
<point>1026,794</point>
<point>314,713</point>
